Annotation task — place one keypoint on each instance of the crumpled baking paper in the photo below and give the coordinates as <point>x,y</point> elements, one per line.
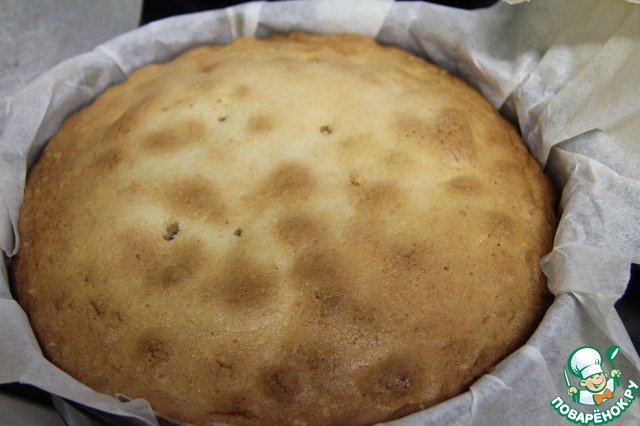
<point>565,72</point>
<point>36,35</point>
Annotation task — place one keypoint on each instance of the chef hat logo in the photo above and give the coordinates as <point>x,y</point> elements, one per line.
<point>585,362</point>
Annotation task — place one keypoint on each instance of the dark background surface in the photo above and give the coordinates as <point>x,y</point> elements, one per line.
<point>157,9</point>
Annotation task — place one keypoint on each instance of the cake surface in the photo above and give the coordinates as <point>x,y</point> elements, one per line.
<point>296,230</point>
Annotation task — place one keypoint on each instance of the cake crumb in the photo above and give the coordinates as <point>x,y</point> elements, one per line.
<point>172,231</point>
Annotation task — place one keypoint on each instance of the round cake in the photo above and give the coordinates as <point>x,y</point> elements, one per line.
<point>304,229</point>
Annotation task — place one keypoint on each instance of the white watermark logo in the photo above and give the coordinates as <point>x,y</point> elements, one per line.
<point>594,388</point>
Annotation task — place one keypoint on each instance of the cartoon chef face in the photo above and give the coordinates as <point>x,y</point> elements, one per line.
<point>595,383</point>
<point>586,363</point>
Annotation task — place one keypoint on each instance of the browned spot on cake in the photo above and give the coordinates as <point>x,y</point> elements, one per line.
<point>132,118</point>
<point>507,176</point>
<point>123,125</point>
<point>408,256</point>
<point>154,348</point>
<point>288,181</point>
<point>454,138</point>
<point>174,138</point>
<point>192,197</point>
<point>398,160</point>
<point>159,263</point>
<point>499,225</point>
<point>282,382</point>
<point>378,197</point>
<point>136,250</point>
<point>208,67</point>
<point>135,245</point>
<point>260,123</point>
<point>244,283</point>
<point>418,130</point>
<point>395,377</point>
<point>464,186</point>
<point>240,92</point>
<point>321,359</point>
<point>448,135</point>
<point>109,158</point>
<point>114,159</point>
<point>300,229</point>
<point>322,276</point>
<point>174,274</point>
<point>185,259</point>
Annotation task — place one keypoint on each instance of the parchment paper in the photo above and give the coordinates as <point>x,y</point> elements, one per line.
<point>566,72</point>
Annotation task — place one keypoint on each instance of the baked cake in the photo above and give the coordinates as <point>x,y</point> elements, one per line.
<point>304,229</point>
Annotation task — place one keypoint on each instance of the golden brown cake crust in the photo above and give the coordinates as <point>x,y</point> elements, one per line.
<point>297,230</point>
